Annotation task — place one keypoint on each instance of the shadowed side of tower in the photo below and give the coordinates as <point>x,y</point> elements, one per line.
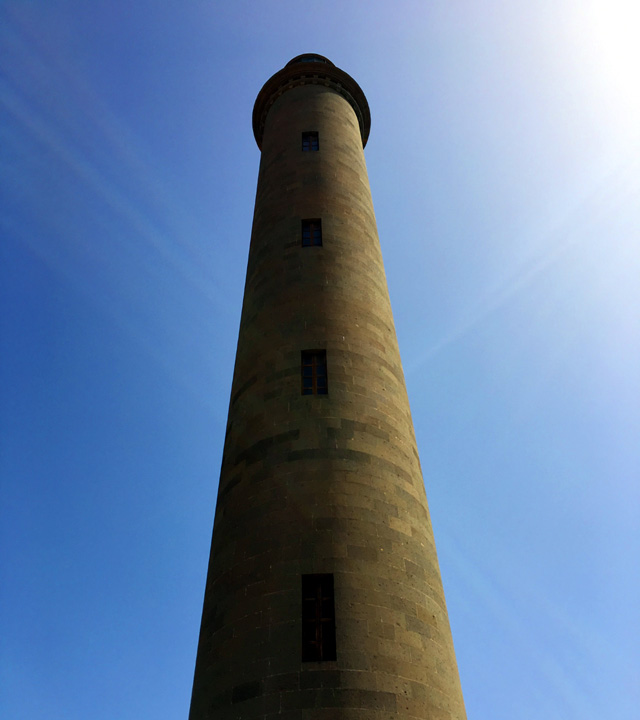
<point>323,596</point>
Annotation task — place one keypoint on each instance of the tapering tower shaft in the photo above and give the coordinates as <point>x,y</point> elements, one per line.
<point>323,597</point>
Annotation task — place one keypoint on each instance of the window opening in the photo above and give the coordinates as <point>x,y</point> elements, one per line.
<point>311,233</point>
<point>310,142</point>
<point>311,58</point>
<point>314,372</point>
<point>318,618</point>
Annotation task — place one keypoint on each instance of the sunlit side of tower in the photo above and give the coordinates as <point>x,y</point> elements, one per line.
<point>323,596</point>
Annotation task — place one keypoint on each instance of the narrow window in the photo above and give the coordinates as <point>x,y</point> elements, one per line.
<point>311,233</point>
<point>314,372</point>
<point>310,141</point>
<point>318,618</point>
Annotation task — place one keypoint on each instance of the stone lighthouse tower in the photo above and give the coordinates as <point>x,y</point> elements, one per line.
<point>323,598</point>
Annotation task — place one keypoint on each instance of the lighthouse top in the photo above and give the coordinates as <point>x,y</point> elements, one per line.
<point>311,69</point>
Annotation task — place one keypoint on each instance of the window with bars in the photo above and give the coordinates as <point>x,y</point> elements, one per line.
<point>314,372</point>
<point>310,142</point>
<point>311,233</point>
<point>318,618</point>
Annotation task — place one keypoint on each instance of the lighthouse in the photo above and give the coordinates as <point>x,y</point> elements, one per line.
<point>323,598</point>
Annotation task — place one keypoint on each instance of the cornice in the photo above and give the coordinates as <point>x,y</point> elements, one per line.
<point>298,73</point>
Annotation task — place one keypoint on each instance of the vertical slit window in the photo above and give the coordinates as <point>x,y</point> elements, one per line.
<point>314,372</point>
<point>310,142</point>
<point>318,618</point>
<point>311,233</point>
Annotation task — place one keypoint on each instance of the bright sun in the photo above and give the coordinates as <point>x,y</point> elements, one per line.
<point>615,27</point>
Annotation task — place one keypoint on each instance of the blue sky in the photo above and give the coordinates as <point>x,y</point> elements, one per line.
<point>504,161</point>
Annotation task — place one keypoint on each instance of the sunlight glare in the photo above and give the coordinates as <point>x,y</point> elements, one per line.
<point>616,31</point>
